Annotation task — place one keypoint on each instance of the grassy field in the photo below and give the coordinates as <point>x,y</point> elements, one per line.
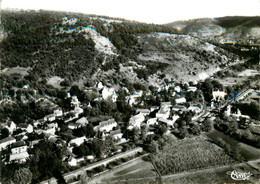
<point>190,154</point>
<point>248,152</point>
<point>137,169</point>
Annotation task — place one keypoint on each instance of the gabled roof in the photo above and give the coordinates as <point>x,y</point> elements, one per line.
<point>115,132</point>
<point>18,144</point>
<point>7,139</point>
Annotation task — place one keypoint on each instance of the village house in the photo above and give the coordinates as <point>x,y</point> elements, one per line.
<point>107,93</point>
<point>10,125</point>
<point>135,121</point>
<point>180,100</point>
<point>116,134</point>
<point>132,99</point>
<point>153,108</point>
<point>195,109</point>
<point>152,121</point>
<point>177,89</point>
<point>192,88</point>
<point>73,126</point>
<point>174,118</point>
<point>19,152</point>
<point>82,122</point>
<point>26,127</point>
<point>164,112</point>
<point>74,101</point>
<point>106,126</point>
<point>218,95</point>
<point>145,112</point>
<point>78,111</point>
<point>50,117</point>
<point>58,113</point>
<point>75,161</point>
<point>166,121</point>
<point>77,141</point>
<point>18,147</point>
<point>236,115</point>
<point>179,108</point>
<point>6,142</point>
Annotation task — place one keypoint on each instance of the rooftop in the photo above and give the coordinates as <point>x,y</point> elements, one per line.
<point>18,144</point>
<point>7,139</point>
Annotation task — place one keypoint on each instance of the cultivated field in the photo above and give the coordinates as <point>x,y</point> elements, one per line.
<point>190,154</point>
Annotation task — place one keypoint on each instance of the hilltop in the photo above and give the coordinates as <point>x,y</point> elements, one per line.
<point>223,29</point>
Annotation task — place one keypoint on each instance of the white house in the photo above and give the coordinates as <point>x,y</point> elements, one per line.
<point>164,112</point>
<point>218,95</point>
<point>135,121</point>
<point>18,147</point>
<point>90,157</point>
<point>74,101</point>
<point>75,161</point>
<point>153,108</point>
<point>50,117</point>
<point>11,126</point>
<point>78,110</point>
<point>192,88</point>
<point>77,141</point>
<point>106,126</point>
<point>82,122</point>
<point>195,109</point>
<point>27,127</point>
<point>19,157</point>
<point>107,93</point>
<point>73,125</point>
<point>152,121</point>
<point>145,112</point>
<point>116,134</point>
<point>58,113</point>
<point>177,89</point>
<point>19,152</point>
<point>6,142</point>
<point>180,100</point>
<point>175,117</point>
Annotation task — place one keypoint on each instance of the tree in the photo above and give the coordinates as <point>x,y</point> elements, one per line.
<point>153,147</point>
<point>22,176</point>
<point>195,129</point>
<point>4,133</point>
<point>208,125</point>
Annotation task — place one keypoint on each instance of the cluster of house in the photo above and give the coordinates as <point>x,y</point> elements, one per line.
<point>18,148</point>
<point>48,126</point>
<point>165,114</point>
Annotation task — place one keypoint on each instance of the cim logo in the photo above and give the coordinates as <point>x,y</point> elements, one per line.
<point>239,175</point>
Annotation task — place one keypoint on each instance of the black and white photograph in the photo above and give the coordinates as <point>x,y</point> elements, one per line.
<point>129,92</point>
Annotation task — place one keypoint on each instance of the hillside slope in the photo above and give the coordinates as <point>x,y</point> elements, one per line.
<point>82,48</point>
